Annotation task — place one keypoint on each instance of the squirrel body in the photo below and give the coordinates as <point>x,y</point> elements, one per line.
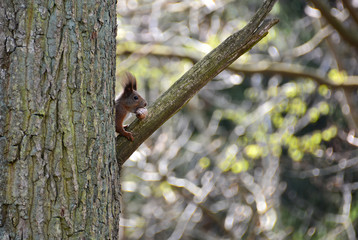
<point>129,101</point>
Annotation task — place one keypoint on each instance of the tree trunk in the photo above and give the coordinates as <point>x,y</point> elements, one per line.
<point>59,178</point>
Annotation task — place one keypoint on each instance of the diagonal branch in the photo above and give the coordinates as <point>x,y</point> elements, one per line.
<point>197,77</point>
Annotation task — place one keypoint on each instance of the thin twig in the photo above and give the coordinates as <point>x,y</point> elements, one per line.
<point>349,36</point>
<point>352,11</point>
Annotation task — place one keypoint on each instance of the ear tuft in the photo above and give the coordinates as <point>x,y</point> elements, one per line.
<point>129,82</point>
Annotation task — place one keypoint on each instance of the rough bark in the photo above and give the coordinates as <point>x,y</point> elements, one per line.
<point>59,178</point>
<point>197,77</point>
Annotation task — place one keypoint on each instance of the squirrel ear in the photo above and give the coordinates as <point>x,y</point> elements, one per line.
<point>129,82</point>
<point>134,84</point>
<point>128,89</point>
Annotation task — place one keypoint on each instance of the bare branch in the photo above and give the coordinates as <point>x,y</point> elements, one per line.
<point>264,67</point>
<point>349,36</point>
<point>352,10</point>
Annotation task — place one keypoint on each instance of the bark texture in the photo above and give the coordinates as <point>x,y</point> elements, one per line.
<point>59,178</point>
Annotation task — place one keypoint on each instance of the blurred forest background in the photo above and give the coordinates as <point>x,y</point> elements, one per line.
<point>268,149</point>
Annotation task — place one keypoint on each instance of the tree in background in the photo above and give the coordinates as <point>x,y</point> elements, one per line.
<point>265,151</point>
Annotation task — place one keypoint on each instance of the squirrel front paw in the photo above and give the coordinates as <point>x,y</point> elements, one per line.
<point>124,133</point>
<point>128,135</point>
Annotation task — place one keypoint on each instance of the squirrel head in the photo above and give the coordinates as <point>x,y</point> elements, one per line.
<point>130,97</point>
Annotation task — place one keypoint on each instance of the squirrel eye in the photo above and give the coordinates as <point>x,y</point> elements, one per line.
<point>135,97</point>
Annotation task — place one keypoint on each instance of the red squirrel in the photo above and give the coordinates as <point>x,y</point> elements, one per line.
<point>129,101</point>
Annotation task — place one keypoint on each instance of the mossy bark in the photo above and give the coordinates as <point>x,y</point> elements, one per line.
<point>59,178</point>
